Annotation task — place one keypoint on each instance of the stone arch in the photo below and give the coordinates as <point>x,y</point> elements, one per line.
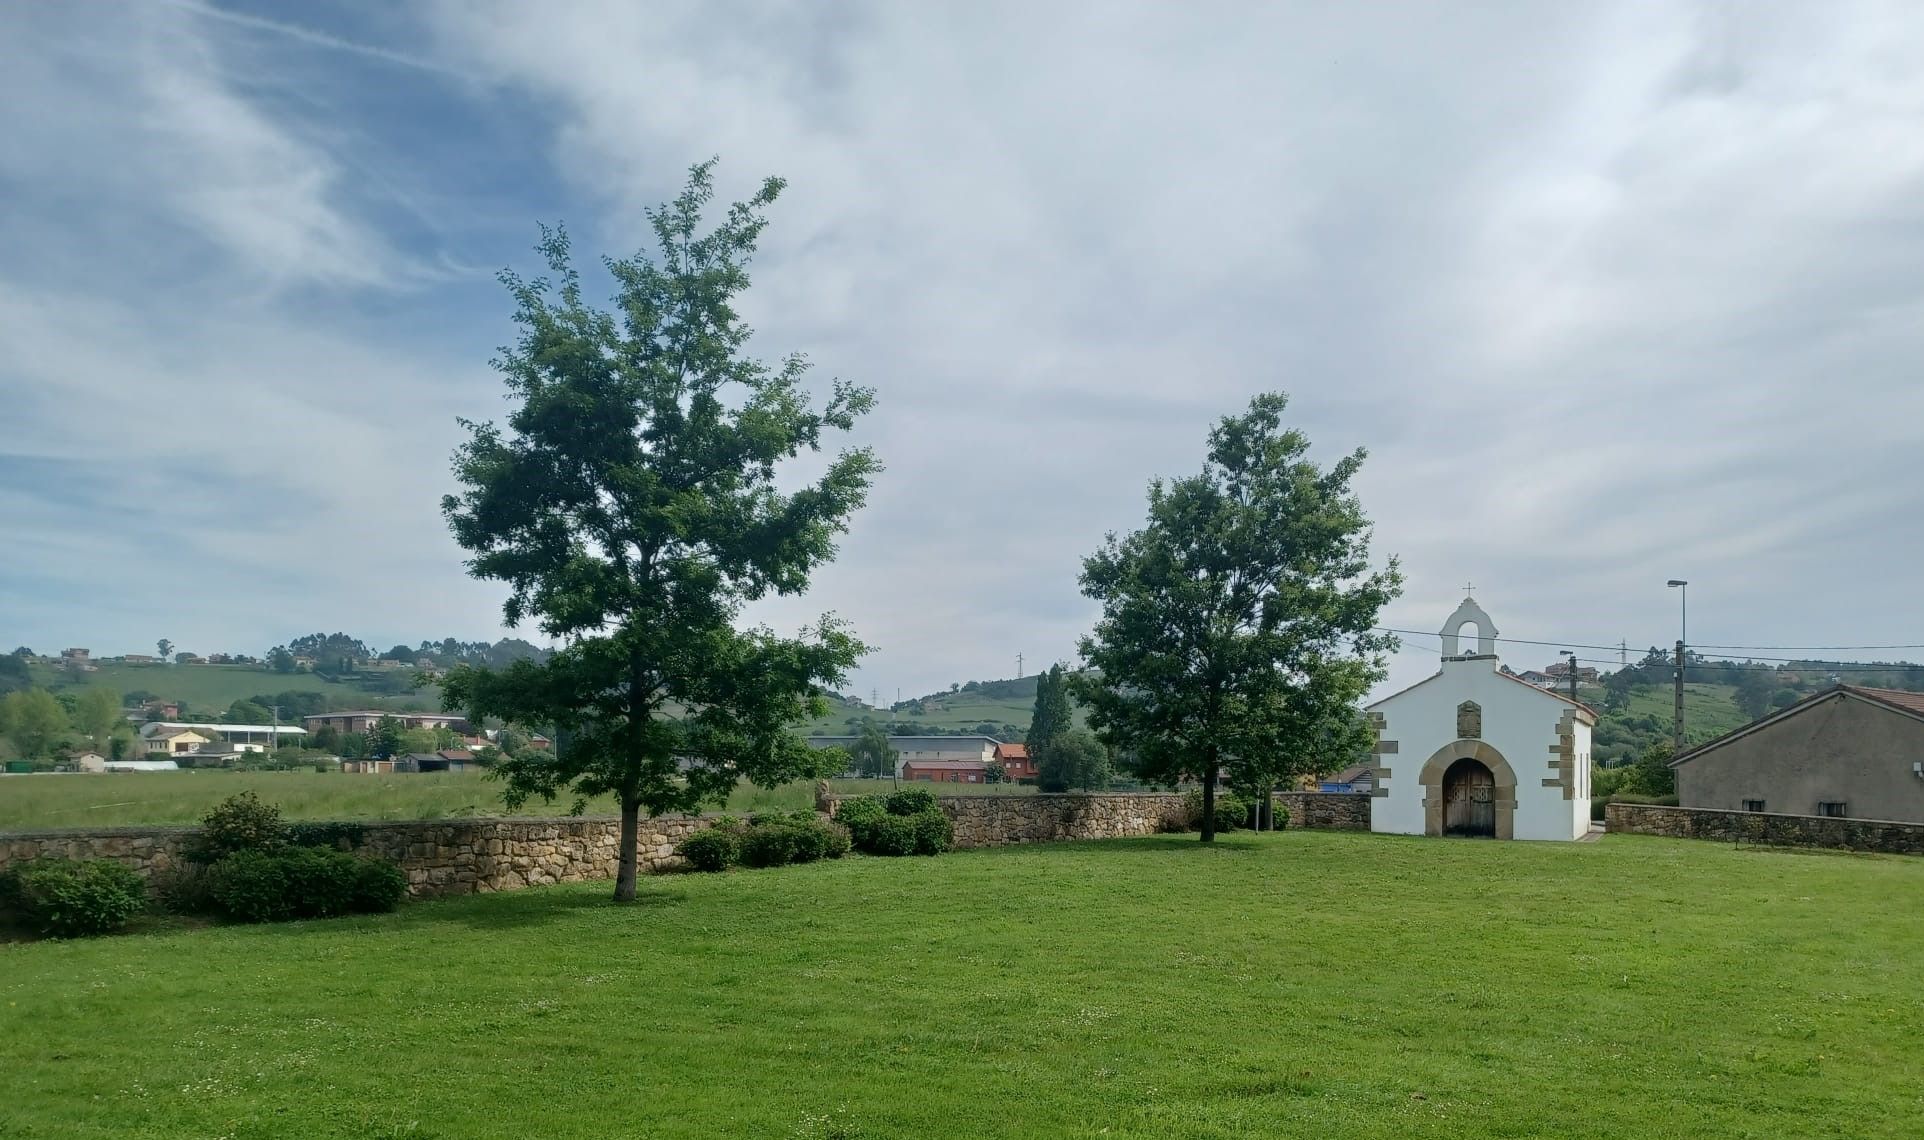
<point>1469,613</point>
<point>1432,780</point>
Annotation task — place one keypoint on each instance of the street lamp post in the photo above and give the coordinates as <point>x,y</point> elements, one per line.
<point>1683,635</point>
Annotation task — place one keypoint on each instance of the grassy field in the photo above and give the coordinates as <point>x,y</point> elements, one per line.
<point>1309,984</point>
<point>211,688</point>
<point>116,799</point>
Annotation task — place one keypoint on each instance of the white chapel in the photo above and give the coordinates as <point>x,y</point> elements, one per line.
<point>1475,751</point>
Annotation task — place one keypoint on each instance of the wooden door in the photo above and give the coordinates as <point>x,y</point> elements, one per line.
<point>1469,799</point>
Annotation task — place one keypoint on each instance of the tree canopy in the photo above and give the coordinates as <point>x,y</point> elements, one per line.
<point>1238,626</point>
<point>632,506</point>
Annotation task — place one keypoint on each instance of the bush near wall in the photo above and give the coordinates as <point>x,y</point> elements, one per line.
<point>908,822</point>
<point>246,865</point>
<point>67,898</point>
<point>1231,811</point>
<point>771,839</point>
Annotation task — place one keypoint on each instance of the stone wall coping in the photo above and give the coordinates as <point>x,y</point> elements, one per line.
<point>1824,819</point>
<point>150,830</point>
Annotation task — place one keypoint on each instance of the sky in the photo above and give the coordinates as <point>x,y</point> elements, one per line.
<point>1610,293</point>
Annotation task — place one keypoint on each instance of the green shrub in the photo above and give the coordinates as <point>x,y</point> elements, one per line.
<point>250,886</point>
<point>1231,811</point>
<point>345,836</point>
<point>859,812</point>
<point>65,898</point>
<point>934,833</point>
<point>1278,815</point>
<point>185,888</point>
<point>379,885</point>
<point>912,801</point>
<point>780,838</point>
<point>770,845</point>
<point>238,823</point>
<point>303,882</point>
<point>714,848</point>
<point>890,835</point>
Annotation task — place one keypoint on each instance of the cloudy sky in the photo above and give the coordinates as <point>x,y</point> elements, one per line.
<point>1611,293</point>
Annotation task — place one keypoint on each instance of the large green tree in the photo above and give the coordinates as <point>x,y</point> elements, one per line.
<point>874,756</point>
<point>633,506</point>
<point>33,720</point>
<point>95,712</point>
<point>384,738</point>
<point>1048,724</point>
<point>1238,626</point>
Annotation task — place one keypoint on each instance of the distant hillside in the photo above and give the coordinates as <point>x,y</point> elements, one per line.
<point>992,708</point>
<point>208,690</point>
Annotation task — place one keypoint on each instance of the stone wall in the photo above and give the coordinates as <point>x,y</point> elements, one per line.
<point>441,857</point>
<point>1766,828</point>
<point>465,856</point>
<point>994,821</point>
<point>1327,811</point>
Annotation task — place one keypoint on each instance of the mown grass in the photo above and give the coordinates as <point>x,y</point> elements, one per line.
<point>33,802</point>
<point>1294,984</point>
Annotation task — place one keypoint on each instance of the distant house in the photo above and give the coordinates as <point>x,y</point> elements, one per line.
<point>1849,751</point>
<point>363,720</point>
<point>75,654</point>
<point>1016,762</point>
<point>947,771</point>
<point>973,749</point>
<point>540,743</point>
<point>140,659</point>
<point>1357,778</point>
<point>233,737</point>
<point>90,762</point>
<point>446,760</point>
<point>167,740</point>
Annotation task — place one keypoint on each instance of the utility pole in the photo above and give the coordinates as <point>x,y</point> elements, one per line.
<point>1683,635</point>
<point>1018,666</point>
<point>1676,732</point>
<point>1571,655</point>
<point>1623,653</point>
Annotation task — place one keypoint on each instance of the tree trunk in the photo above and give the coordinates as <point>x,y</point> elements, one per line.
<point>630,836</point>
<point>1209,804</point>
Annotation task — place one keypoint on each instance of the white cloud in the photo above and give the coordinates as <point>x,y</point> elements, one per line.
<point>1612,293</point>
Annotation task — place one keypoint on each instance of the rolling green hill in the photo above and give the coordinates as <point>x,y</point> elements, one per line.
<point>209,689</point>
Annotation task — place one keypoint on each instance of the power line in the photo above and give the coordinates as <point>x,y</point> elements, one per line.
<point>1850,665</point>
<point>1808,648</point>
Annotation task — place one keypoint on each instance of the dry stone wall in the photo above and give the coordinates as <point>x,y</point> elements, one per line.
<point>1327,811</point>
<point>466,856</point>
<point>440,857</point>
<point>1766,828</point>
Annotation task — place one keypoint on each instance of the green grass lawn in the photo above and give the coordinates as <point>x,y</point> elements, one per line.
<point>123,798</point>
<point>1309,984</point>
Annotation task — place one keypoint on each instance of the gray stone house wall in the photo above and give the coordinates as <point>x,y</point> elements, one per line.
<point>1842,749</point>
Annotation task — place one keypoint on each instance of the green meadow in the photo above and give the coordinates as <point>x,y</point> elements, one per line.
<point>1312,984</point>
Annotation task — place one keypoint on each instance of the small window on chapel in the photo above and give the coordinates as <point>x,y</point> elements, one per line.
<point>1753,805</point>
<point>1832,808</point>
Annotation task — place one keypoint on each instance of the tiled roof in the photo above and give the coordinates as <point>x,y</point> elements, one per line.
<point>1904,700</point>
<point>947,765</point>
<point>1012,751</point>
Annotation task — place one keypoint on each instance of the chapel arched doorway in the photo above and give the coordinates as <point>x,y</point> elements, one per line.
<point>1469,799</point>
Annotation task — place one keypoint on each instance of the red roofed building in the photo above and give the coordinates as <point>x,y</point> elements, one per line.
<point>1016,762</point>
<point>946,771</point>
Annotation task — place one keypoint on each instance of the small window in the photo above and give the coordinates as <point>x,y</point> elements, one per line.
<point>1833,808</point>
<point>1753,805</point>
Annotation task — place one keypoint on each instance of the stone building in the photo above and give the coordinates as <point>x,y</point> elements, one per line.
<point>1849,751</point>
<point>1473,750</point>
